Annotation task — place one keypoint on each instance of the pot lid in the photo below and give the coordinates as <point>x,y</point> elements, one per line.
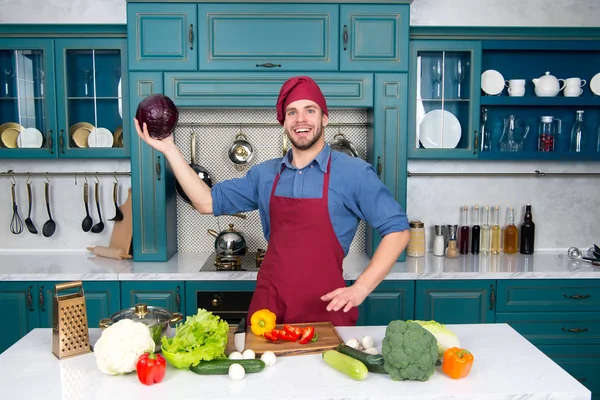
<point>148,315</point>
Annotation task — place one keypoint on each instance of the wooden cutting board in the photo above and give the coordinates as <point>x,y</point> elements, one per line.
<point>329,338</point>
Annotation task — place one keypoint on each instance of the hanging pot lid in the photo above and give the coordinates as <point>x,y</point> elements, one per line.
<point>241,151</point>
<point>341,144</point>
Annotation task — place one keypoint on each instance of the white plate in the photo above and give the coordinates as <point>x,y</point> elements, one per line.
<point>100,137</point>
<point>30,138</point>
<point>595,84</point>
<point>439,129</point>
<point>120,100</point>
<point>492,82</point>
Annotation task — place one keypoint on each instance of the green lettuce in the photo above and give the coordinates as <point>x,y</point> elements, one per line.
<point>202,337</point>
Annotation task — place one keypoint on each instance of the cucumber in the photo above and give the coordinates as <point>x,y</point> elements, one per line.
<point>373,362</point>
<point>346,364</point>
<point>221,367</point>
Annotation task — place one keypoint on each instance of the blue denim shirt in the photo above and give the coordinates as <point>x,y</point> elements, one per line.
<point>355,193</point>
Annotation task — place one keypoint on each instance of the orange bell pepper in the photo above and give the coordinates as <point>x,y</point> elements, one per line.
<point>262,321</point>
<point>457,362</point>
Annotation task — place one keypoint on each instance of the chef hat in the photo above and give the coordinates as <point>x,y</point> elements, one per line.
<point>299,88</point>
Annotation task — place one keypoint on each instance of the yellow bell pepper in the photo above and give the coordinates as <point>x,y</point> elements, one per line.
<point>262,321</point>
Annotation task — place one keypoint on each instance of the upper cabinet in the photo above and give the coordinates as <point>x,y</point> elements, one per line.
<point>63,97</point>
<point>267,37</point>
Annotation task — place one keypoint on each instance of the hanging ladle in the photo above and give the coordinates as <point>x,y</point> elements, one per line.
<point>87,222</point>
<point>99,227</point>
<point>118,213</point>
<point>28,221</point>
<point>50,226</point>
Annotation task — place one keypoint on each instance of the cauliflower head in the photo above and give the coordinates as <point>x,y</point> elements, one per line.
<point>410,351</point>
<point>121,344</point>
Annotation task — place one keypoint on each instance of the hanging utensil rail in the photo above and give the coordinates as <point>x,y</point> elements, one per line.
<point>10,173</point>
<point>262,124</point>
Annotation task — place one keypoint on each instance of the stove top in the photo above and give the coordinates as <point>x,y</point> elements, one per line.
<point>246,262</point>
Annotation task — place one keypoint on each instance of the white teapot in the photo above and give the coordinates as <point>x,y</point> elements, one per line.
<point>547,85</point>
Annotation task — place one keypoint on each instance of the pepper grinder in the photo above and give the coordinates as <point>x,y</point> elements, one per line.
<point>452,250</point>
<point>438,241</point>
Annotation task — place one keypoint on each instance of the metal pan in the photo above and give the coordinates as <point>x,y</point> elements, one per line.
<point>198,169</point>
<point>343,145</point>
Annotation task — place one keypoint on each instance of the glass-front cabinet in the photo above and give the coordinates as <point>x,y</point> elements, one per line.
<point>444,99</point>
<point>62,98</point>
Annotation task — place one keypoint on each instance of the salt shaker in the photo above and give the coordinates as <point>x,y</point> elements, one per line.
<point>438,241</point>
<point>416,243</point>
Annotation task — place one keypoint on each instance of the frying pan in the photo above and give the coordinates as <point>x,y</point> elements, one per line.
<point>198,169</point>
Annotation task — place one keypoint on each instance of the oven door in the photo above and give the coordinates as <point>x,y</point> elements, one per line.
<point>230,306</point>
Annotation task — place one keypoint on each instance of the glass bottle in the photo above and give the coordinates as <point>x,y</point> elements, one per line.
<point>527,232</point>
<point>485,232</point>
<point>463,246</point>
<point>475,232</point>
<point>511,234</point>
<point>486,132</point>
<point>496,234</point>
<point>577,143</point>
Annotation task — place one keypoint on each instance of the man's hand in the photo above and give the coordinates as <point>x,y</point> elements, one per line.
<point>161,145</point>
<point>346,297</point>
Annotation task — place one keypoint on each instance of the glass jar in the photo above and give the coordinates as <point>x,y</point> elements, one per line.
<point>416,243</point>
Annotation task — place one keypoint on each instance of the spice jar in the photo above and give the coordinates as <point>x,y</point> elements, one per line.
<point>416,243</point>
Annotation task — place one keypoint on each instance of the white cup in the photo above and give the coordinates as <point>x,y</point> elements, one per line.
<point>573,87</point>
<point>516,87</point>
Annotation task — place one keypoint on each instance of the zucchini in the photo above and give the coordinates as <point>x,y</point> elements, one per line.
<point>346,364</point>
<point>221,367</point>
<point>374,362</point>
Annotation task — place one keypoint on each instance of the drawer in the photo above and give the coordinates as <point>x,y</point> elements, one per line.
<point>577,328</point>
<point>548,295</point>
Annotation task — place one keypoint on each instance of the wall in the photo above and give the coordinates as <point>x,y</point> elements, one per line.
<point>563,209</point>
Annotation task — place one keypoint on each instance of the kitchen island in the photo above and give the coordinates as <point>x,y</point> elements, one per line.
<point>506,367</point>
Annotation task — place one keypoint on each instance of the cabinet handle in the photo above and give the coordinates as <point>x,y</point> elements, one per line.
<point>178,299</point>
<point>577,296</point>
<point>492,297</point>
<point>29,298</point>
<point>217,300</point>
<point>41,299</point>
<point>379,167</point>
<point>191,36</point>
<point>50,147</point>
<point>574,330</point>
<point>475,143</point>
<point>268,65</point>
<point>61,141</point>
<point>158,167</point>
<point>345,37</point>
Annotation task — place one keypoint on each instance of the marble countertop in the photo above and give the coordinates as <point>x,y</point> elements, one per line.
<point>506,366</point>
<point>63,266</point>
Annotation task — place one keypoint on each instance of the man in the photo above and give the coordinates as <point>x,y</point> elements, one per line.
<point>310,202</point>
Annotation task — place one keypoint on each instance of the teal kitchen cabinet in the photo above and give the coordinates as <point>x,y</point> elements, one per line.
<point>155,220</point>
<point>29,305</point>
<point>374,37</point>
<point>228,299</point>
<point>456,301</point>
<point>282,37</point>
<point>444,99</point>
<point>165,294</point>
<point>162,37</point>
<point>391,300</point>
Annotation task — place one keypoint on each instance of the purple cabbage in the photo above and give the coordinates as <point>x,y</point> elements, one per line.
<point>160,115</point>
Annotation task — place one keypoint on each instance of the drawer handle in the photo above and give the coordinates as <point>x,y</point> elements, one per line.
<point>158,169</point>
<point>379,167</point>
<point>492,297</point>
<point>345,37</point>
<point>475,143</point>
<point>50,142</point>
<point>191,36</point>
<point>29,299</point>
<point>216,301</point>
<point>178,299</point>
<point>577,296</point>
<point>268,65</point>
<point>575,330</point>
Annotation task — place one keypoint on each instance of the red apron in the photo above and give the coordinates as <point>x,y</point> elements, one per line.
<point>302,263</point>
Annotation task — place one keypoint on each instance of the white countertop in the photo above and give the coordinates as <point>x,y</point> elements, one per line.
<point>506,367</point>
<point>63,266</point>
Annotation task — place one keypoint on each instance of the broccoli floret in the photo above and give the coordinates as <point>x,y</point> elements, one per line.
<point>409,351</point>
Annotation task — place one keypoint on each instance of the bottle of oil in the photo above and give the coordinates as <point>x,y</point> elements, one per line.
<point>475,232</point>
<point>511,234</point>
<point>463,234</point>
<point>486,238</point>
<point>496,234</point>
<point>527,232</point>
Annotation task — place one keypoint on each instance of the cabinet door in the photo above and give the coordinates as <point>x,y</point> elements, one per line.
<point>456,302</point>
<point>154,219</point>
<point>27,99</point>
<point>91,121</point>
<point>255,37</point>
<point>165,294</point>
<point>162,37</point>
<point>374,37</point>
<point>102,299</point>
<point>17,302</point>
<point>444,99</point>
<point>391,300</point>
<point>388,147</point>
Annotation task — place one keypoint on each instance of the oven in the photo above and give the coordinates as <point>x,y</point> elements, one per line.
<point>230,306</point>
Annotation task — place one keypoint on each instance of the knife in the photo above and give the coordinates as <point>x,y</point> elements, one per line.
<point>239,337</point>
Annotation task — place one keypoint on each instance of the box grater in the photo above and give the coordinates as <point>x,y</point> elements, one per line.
<point>70,335</point>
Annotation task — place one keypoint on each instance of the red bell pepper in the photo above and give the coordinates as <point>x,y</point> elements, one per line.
<point>307,334</point>
<point>293,330</point>
<point>151,368</point>
<point>270,336</point>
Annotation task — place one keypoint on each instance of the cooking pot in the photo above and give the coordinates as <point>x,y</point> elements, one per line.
<point>341,144</point>
<point>157,319</point>
<point>241,151</point>
<point>229,242</point>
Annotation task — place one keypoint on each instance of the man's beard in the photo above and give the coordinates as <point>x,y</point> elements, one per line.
<point>318,133</point>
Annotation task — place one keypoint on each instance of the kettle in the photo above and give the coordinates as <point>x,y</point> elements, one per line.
<point>547,85</point>
<point>229,243</point>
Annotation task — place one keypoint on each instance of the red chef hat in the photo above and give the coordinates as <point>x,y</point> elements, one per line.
<point>299,88</point>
